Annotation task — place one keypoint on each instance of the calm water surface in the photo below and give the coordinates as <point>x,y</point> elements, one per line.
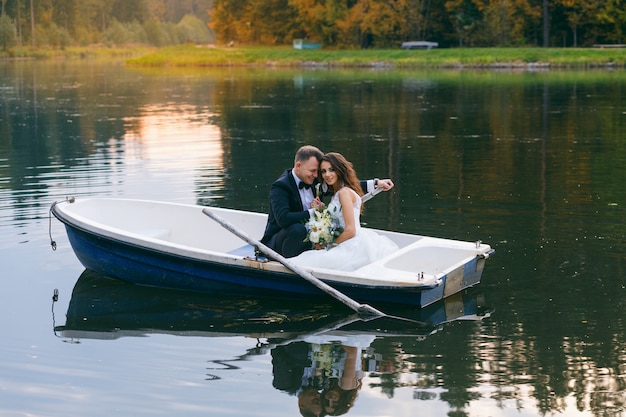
<point>532,163</point>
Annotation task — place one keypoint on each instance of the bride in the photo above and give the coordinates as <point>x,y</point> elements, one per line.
<point>354,247</point>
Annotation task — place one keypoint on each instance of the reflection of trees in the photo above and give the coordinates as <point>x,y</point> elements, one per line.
<point>481,153</point>
<point>52,124</point>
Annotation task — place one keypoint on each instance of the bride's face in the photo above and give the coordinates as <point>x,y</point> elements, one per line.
<point>328,173</point>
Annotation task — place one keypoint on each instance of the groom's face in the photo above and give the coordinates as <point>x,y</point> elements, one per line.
<point>307,170</point>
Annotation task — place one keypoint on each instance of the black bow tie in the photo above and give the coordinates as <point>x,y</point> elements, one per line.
<point>304,185</point>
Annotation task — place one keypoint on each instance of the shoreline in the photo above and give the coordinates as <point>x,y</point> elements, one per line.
<point>459,58</point>
<point>203,56</point>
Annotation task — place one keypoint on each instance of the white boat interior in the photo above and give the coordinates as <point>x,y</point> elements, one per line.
<point>183,229</point>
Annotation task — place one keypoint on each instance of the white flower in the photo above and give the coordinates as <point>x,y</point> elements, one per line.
<point>314,236</point>
<point>323,228</point>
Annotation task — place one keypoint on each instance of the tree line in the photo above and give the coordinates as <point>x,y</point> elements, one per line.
<point>452,23</point>
<point>59,23</point>
<point>334,23</point>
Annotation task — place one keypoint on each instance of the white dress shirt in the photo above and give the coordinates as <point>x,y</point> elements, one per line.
<point>306,194</point>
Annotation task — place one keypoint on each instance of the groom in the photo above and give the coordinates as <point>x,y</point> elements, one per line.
<point>292,201</point>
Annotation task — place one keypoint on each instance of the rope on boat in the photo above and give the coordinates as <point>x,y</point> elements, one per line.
<point>52,241</point>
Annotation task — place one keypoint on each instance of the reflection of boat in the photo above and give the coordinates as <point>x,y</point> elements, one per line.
<point>177,246</point>
<point>106,308</point>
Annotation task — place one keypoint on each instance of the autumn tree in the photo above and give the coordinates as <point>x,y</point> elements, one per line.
<point>318,19</point>
<point>495,22</point>
<point>279,29</point>
<point>344,23</point>
<point>507,22</point>
<point>377,23</point>
<point>232,20</point>
<point>612,14</point>
<point>577,15</point>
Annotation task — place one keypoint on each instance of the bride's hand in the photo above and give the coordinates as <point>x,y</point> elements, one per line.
<point>317,246</point>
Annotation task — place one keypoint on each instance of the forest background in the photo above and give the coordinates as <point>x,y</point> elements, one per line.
<point>353,24</point>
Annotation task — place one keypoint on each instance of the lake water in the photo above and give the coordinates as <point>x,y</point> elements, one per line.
<point>533,163</point>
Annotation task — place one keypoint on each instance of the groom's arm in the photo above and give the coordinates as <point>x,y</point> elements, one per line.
<point>282,208</point>
<point>370,185</point>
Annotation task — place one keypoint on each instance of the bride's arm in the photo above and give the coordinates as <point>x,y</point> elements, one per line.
<point>347,200</point>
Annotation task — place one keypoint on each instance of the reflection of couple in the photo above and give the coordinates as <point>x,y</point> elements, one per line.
<point>292,203</point>
<point>326,375</point>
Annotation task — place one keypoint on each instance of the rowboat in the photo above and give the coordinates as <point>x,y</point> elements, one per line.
<point>177,246</point>
<point>108,308</point>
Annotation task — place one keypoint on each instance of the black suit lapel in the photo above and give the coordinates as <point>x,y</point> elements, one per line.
<point>295,193</point>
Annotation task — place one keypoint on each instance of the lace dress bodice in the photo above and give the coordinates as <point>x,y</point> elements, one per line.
<point>334,206</point>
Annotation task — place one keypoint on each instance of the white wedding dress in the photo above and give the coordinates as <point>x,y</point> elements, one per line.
<point>365,247</point>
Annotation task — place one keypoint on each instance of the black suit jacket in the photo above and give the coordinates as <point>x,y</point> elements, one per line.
<point>286,206</point>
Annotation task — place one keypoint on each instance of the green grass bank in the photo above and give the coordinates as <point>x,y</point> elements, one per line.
<point>196,56</point>
<point>190,56</point>
<point>93,52</point>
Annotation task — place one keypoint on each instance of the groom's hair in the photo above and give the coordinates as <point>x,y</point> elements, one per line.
<point>306,152</point>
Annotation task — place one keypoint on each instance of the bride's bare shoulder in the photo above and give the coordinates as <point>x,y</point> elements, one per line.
<point>348,192</point>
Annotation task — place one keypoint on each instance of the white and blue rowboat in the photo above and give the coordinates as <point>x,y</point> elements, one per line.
<point>177,246</point>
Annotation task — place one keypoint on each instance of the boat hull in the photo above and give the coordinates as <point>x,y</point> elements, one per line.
<point>105,247</point>
<point>150,267</point>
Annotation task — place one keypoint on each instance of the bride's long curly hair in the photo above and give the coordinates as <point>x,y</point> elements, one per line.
<point>345,171</point>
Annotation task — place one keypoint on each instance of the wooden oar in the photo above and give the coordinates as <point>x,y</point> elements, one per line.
<point>371,194</point>
<point>362,309</point>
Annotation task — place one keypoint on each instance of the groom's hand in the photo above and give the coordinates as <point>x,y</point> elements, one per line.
<point>385,184</point>
<point>317,203</point>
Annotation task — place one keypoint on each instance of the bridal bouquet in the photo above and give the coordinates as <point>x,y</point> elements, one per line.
<point>323,228</point>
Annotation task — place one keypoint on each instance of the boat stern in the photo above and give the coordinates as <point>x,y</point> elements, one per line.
<point>453,265</point>
<point>457,280</point>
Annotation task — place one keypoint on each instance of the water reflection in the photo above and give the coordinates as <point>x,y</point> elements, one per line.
<point>109,308</point>
<point>325,374</point>
<point>320,351</point>
<point>534,163</point>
